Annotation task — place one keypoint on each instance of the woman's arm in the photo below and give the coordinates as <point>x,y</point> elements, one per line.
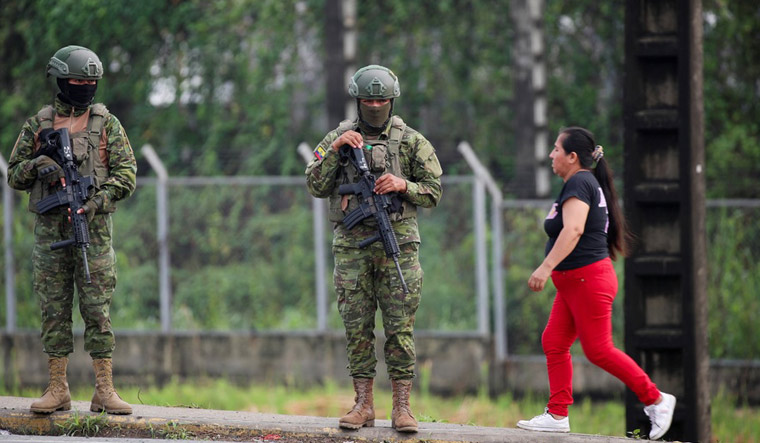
<point>574,215</point>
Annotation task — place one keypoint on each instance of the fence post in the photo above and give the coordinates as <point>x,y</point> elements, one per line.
<point>319,214</point>
<point>483,176</point>
<point>162,221</point>
<point>10,271</point>
<point>481,262</point>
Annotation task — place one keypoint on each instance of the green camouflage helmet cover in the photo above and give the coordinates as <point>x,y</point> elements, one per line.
<point>374,82</point>
<point>75,62</point>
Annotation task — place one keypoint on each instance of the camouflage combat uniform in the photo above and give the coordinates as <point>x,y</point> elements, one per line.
<point>366,278</point>
<point>111,162</point>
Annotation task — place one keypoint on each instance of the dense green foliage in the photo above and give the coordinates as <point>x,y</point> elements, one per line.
<point>231,87</point>
<point>222,87</point>
<point>731,91</point>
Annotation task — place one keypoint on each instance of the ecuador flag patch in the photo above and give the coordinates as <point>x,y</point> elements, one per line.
<point>319,153</point>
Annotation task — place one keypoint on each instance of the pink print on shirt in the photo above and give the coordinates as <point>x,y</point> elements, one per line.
<point>553,213</point>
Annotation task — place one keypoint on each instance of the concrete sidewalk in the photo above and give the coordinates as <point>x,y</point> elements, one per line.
<point>156,421</point>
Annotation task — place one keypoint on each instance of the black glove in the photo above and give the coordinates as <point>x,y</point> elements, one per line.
<point>47,148</point>
<point>47,169</point>
<point>92,205</point>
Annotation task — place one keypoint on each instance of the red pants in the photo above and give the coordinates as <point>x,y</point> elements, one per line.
<point>583,309</point>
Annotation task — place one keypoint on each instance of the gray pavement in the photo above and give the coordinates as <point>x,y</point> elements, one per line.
<point>147,421</point>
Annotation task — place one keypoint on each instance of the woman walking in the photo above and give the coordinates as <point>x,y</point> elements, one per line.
<point>586,231</point>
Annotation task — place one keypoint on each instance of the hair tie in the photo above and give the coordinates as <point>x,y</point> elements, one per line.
<point>598,153</point>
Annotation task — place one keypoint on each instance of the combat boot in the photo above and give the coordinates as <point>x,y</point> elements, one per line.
<point>105,397</point>
<point>57,396</point>
<point>363,412</point>
<point>402,419</point>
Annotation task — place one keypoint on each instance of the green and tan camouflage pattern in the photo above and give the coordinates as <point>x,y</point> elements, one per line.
<point>122,166</point>
<point>57,273</point>
<point>419,165</point>
<point>365,278</point>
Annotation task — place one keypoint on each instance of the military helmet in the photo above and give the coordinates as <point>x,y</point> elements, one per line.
<point>75,62</point>
<point>374,82</point>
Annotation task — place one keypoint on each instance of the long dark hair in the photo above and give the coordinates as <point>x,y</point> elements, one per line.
<point>581,141</point>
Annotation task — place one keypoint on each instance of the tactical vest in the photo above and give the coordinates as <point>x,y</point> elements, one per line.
<point>383,157</point>
<point>89,150</point>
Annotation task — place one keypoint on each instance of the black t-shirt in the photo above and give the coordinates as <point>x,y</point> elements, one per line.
<point>592,245</point>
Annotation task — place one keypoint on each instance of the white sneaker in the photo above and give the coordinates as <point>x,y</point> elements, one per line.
<point>545,423</point>
<point>661,415</point>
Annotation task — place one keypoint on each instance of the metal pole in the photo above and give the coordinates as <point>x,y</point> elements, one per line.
<point>162,221</point>
<point>10,271</point>
<point>500,319</point>
<point>499,304</point>
<point>320,269</point>
<point>350,44</point>
<point>481,262</point>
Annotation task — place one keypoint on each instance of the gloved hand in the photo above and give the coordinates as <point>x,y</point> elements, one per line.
<point>47,169</point>
<point>91,207</point>
<point>43,136</point>
<point>51,150</point>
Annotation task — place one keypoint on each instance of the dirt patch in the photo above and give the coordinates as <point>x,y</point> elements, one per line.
<point>181,432</point>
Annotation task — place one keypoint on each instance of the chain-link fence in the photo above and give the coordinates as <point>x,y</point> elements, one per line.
<point>241,256</point>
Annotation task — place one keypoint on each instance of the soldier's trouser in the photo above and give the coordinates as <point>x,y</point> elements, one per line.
<point>364,280</point>
<point>57,272</point>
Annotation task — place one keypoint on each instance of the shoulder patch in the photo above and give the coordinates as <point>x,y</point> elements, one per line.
<point>425,151</point>
<point>320,153</point>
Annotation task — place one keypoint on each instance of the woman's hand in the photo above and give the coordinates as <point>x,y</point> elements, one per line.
<point>538,278</point>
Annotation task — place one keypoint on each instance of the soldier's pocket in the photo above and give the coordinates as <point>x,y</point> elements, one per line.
<point>81,149</point>
<point>346,282</point>
<point>413,275</point>
<point>379,159</point>
<point>102,268</point>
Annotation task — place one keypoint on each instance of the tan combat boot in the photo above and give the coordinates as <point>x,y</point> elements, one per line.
<point>105,396</point>
<point>402,419</point>
<point>363,412</point>
<point>56,396</point>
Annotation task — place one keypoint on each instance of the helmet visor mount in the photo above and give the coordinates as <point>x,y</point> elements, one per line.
<point>75,62</point>
<point>374,82</point>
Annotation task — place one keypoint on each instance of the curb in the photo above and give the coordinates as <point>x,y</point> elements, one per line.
<point>159,422</point>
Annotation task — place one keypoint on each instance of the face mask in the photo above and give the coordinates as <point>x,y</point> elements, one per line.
<point>375,116</point>
<point>78,95</point>
<point>82,95</point>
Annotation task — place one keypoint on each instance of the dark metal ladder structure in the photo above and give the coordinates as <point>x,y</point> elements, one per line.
<point>665,275</point>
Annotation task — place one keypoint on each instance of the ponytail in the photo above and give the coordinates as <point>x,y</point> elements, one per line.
<point>618,236</point>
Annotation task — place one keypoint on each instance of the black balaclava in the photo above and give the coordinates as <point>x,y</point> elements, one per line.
<point>78,95</point>
<point>372,120</point>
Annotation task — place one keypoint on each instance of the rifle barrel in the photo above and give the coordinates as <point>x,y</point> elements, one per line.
<point>86,265</point>
<point>400,275</point>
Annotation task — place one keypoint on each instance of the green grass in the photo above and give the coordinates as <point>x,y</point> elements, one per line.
<point>170,431</point>
<point>730,423</point>
<point>83,425</point>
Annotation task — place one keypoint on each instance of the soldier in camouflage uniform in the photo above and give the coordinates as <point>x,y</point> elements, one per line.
<point>102,151</point>
<point>405,164</point>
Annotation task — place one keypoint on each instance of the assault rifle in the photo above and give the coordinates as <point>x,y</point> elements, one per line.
<point>379,206</point>
<point>74,194</point>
